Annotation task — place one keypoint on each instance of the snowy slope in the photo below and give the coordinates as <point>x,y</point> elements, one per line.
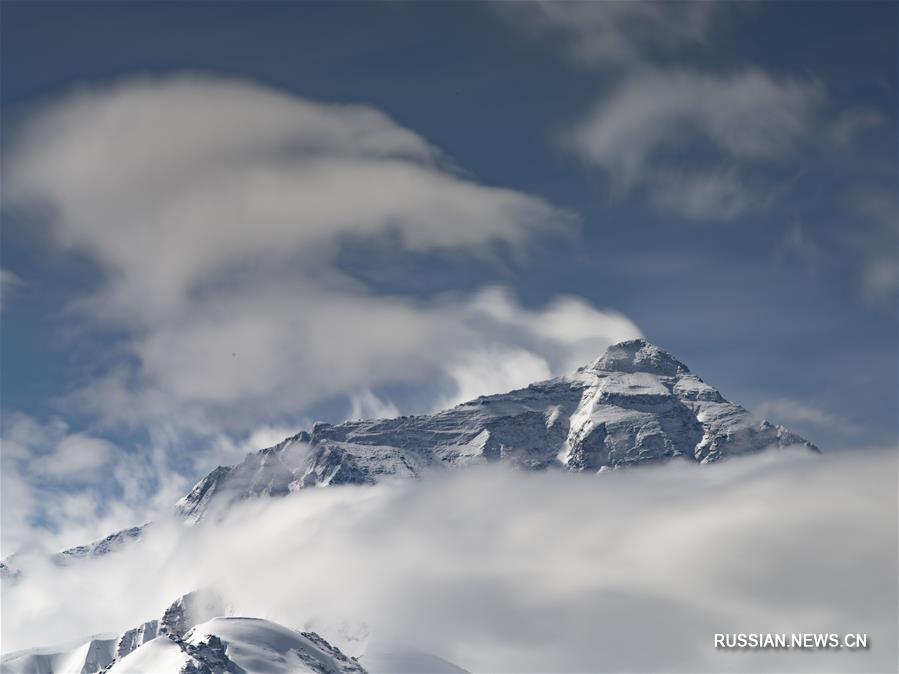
<point>379,654</point>
<point>10,572</point>
<point>390,660</point>
<point>189,610</point>
<point>159,656</point>
<point>94,654</point>
<point>103,546</point>
<point>238,645</point>
<point>85,658</point>
<point>635,404</point>
<point>193,636</point>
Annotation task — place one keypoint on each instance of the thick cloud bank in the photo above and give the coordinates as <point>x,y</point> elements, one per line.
<point>509,571</point>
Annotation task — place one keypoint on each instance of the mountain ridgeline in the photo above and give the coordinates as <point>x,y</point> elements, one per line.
<point>636,404</point>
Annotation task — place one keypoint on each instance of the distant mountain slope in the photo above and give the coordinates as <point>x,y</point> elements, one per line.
<point>10,572</point>
<point>85,658</point>
<point>196,636</point>
<point>238,646</point>
<point>635,404</point>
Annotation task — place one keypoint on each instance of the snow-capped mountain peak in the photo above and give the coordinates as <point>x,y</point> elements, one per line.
<point>634,404</point>
<point>638,355</point>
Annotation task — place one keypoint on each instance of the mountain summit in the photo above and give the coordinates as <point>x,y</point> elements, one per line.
<point>638,355</point>
<point>635,404</point>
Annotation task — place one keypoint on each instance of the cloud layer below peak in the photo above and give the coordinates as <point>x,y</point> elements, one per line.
<point>509,571</point>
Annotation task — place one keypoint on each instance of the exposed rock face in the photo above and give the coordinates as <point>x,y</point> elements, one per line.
<point>635,404</point>
<point>189,610</point>
<point>208,657</point>
<point>103,546</point>
<point>136,637</point>
<point>10,572</point>
<point>192,506</point>
<point>225,645</point>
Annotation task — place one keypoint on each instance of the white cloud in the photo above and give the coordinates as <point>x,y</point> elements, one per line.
<point>880,280</point>
<point>10,282</point>
<point>169,183</point>
<point>848,125</point>
<point>53,452</point>
<point>77,457</point>
<point>366,405</point>
<point>267,436</point>
<point>494,369</point>
<point>616,33</point>
<point>274,352</point>
<point>640,133</point>
<point>500,570</point>
<point>63,488</point>
<point>18,503</point>
<point>872,236</point>
<point>565,332</point>
<point>522,346</point>
<point>217,209</point>
<point>861,242</point>
<point>787,410</point>
<point>747,115</point>
<point>701,195</point>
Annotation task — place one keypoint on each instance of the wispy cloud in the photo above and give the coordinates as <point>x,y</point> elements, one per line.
<point>216,211</point>
<point>10,282</point>
<point>853,122</point>
<point>874,235</point>
<point>787,410</point>
<point>701,195</point>
<point>617,33</point>
<point>365,404</point>
<point>880,280</point>
<point>76,457</point>
<point>639,134</point>
<point>63,488</point>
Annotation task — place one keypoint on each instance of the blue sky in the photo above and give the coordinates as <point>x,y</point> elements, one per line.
<point>720,177</point>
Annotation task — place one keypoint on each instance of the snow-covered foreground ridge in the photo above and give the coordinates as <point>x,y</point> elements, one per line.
<point>196,636</point>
